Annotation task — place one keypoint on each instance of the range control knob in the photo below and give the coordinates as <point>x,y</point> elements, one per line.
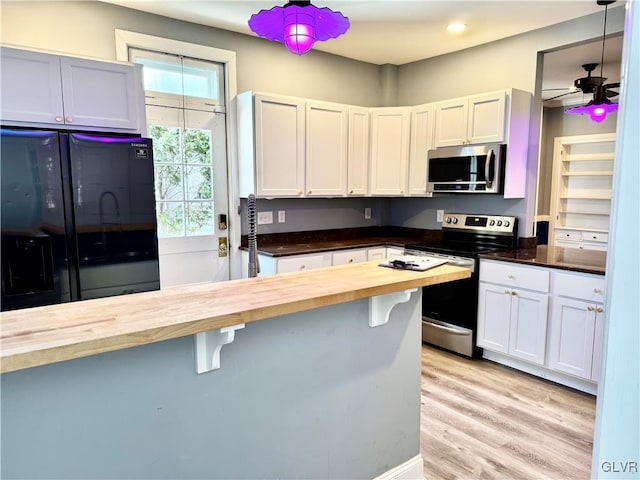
<point>506,223</point>
<point>448,220</point>
<point>499,223</point>
<point>455,220</point>
<point>492,223</point>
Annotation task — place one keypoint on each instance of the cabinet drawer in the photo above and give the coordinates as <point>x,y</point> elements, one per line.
<point>579,285</point>
<point>514,275</point>
<point>349,256</point>
<point>295,264</point>
<point>568,235</point>
<point>595,237</point>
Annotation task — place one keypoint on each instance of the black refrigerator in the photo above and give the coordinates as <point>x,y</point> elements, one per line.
<point>78,217</point>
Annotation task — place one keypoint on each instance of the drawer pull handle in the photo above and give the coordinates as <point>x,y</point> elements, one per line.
<point>302,267</point>
<point>590,308</point>
<point>599,309</point>
<point>507,292</point>
<point>513,292</point>
<point>351,260</point>
<point>597,290</point>
<point>511,277</point>
<point>59,119</point>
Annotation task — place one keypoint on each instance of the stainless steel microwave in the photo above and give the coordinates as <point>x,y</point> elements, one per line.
<point>466,169</point>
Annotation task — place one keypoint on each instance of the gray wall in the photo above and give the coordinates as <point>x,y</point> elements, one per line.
<point>556,123</point>
<point>317,394</point>
<point>87,28</point>
<point>304,214</point>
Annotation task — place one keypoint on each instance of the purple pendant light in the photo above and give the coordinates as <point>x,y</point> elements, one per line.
<point>600,106</point>
<point>298,25</point>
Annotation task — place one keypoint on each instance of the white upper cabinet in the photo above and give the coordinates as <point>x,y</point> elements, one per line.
<point>358,158</point>
<point>271,145</point>
<point>389,156</point>
<point>470,120</point>
<point>43,89</point>
<point>421,143</point>
<point>292,147</point>
<point>494,117</point>
<point>326,149</point>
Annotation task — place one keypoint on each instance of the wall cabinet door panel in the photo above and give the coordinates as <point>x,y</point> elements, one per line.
<point>358,161</point>
<point>389,150</point>
<point>279,146</point>
<point>326,149</point>
<point>421,143</point>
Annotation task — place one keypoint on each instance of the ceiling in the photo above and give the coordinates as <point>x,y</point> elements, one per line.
<point>399,32</point>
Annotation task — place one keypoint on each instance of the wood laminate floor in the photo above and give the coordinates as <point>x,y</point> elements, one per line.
<point>481,420</point>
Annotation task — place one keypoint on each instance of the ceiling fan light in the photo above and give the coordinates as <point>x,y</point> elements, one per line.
<point>596,109</point>
<point>298,25</point>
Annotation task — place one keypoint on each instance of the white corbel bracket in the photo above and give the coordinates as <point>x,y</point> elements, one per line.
<point>209,344</point>
<point>381,305</point>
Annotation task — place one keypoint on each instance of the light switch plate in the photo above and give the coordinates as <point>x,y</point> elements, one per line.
<point>281,216</point>
<point>367,213</point>
<point>439,215</point>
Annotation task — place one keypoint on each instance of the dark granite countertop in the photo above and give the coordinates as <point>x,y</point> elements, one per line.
<point>574,259</point>
<point>300,243</point>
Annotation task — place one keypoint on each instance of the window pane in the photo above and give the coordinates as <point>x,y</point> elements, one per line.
<point>166,144</point>
<point>199,218</point>
<point>170,219</point>
<point>197,146</point>
<point>169,182</point>
<point>198,182</point>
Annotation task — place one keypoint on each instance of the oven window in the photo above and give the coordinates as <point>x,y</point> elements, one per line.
<point>452,302</point>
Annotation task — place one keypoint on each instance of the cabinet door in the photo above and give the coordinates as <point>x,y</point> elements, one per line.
<point>326,149</point>
<point>358,157</point>
<point>389,150</point>
<point>279,146</point>
<point>494,317</point>
<point>598,344</point>
<point>571,337</point>
<point>31,87</point>
<point>486,118</point>
<point>421,142</point>
<point>451,122</point>
<point>528,334</point>
<point>101,94</point>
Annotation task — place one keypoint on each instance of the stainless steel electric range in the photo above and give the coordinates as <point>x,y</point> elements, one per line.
<point>449,310</point>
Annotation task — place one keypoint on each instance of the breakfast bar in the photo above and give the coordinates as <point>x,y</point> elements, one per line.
<point>313,374</point>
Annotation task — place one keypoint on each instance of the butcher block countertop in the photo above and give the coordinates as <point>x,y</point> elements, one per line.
<point>42,335</point>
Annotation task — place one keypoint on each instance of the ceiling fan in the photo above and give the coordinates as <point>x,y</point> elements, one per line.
<point>588,84</point>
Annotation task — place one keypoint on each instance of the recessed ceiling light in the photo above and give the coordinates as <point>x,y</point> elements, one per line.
<point>456,27</point>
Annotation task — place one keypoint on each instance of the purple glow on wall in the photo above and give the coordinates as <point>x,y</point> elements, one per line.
<point>298,25</point>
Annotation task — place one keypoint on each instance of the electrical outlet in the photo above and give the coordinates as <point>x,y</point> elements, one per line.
<point>367,213</point>
<point>439,215</point>
<point>281,216</point>
<point>265,218</point>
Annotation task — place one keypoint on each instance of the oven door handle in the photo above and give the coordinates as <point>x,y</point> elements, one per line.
<point>455,331</point>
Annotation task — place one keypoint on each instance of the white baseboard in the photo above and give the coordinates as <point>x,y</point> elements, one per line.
<point>412,469</point>
<point>542,372</point>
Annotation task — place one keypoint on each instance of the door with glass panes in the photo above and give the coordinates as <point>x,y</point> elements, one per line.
<point>186,117</point>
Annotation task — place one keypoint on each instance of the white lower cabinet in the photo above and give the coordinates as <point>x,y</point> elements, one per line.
<point>512,317</point>
<point>577,325</point>
<point>516,326</point>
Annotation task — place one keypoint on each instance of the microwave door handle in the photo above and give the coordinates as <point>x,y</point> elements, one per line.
<point>487,170</point>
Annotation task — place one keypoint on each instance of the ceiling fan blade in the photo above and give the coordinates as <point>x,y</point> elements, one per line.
<point>554,89</point>
<point>612,85</point>
<point>562,95</point>
<point>611,93</point>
